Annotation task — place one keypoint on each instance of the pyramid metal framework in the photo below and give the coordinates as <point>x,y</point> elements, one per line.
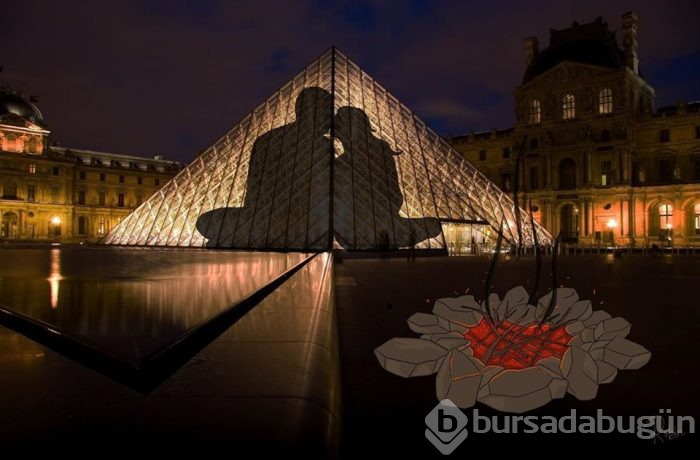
<point>331,131</point>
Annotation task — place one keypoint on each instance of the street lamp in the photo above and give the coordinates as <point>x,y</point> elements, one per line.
<point>55,225</point>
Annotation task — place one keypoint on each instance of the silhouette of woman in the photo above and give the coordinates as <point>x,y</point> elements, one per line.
<point>367,191</point>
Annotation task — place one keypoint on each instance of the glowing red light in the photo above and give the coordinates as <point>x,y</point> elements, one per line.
<point>517,347</point>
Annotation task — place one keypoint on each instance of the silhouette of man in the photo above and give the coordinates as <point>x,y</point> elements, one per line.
<point>367,192</point>
<point>286,199</point>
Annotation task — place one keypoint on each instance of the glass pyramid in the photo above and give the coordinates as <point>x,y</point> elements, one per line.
<point>331,131</point>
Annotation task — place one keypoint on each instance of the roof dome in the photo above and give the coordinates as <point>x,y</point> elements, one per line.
<point>11,102</point>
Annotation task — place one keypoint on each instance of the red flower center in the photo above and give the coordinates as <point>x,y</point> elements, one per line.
<point>517,347</point>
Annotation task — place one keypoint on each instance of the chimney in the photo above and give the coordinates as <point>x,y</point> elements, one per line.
<point>629,41</point>
<point>532,48</point>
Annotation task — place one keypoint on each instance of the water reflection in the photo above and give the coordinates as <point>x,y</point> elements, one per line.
<point>55,276</point>
<point>131,302</point>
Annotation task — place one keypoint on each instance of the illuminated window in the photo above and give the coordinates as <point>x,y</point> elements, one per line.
<point>31,193</point>
<point>101,226</point>
<point>697,219</point>
<point>605,101</point>
<point>666,216</point>
<point>32,168</point>
<point>568,106</point>
<point>605,173</point>
<point>535,111</point>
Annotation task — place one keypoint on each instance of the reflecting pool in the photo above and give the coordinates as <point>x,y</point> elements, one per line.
<point>131,302</point>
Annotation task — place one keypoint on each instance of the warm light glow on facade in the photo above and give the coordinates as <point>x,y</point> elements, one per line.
<point>55,220</point>
<point>612,223</point>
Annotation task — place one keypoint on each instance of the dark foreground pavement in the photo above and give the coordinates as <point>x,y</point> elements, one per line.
<point>385,414</point>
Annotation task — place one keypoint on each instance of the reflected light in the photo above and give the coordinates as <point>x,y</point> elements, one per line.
<point>669,226</point>
<point>54,276</point>
<point>55,220</point>
<point>612,223</point>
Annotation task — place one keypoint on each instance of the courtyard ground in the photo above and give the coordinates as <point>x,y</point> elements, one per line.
<point>658,295</point>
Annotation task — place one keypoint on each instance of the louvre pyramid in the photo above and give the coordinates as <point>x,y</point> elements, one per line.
<point>331,131</point>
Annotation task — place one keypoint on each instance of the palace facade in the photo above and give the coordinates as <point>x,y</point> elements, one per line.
<point>591,153</point>
<point>59,194</point>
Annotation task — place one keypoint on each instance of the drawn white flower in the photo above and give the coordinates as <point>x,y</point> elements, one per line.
<point>504,355</point>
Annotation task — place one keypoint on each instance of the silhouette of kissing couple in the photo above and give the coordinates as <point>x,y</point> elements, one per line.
<point>286,204</point>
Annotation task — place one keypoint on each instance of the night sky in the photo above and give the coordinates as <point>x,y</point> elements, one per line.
<point>170,77</point>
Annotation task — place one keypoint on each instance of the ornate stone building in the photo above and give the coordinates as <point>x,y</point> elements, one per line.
<point>52,193</point>
<point>593,155</point>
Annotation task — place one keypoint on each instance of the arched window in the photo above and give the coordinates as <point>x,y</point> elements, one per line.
<point>535,111</point>
<point>567,174</point>
<point>666,216</point>
<point>697,219</point>
<point>605,101</point>
<point>568,107</point>
<point>9,227</point>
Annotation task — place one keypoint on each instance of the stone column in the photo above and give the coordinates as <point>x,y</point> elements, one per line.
<point>679,226</point>
<point>588,158</point>
<point>631,217</point>
<point>624,229</point>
